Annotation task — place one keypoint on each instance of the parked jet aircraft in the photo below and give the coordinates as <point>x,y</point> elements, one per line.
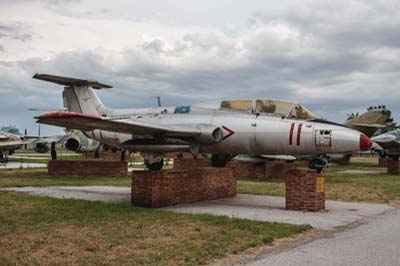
<point>261,126</point>
<point>376,117</point>
<point>10,142</point>
<point>388,144</point>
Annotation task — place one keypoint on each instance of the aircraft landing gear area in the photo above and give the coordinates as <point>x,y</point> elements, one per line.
<point>3,157</point>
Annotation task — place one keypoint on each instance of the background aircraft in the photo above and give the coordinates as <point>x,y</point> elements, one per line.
<point>10,142</point>
<point>389,144</point>
<point>260,126</point>
<point>376,118</point>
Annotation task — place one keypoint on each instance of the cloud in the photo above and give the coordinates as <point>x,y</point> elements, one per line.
<point>336,57</point>
<point>16,31</point>
<point>1,48</point>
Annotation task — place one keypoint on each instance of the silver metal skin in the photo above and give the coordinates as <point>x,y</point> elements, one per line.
<point>197,129</point>
<point>388,144</point>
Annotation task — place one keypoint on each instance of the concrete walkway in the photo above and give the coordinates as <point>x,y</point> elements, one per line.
<point>375,243</point>
<point>261,208</point>
<point>17,165</point>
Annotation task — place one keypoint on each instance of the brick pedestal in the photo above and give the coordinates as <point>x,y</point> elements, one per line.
<point>393,166</point>
<point>382,162</point>
<point>305,191</point>
<point>107,155</point>
<point>187,163</point>
<point>301,163</point>
<point>263,171</point>
<point>87,168</point>
<point>247,170</point>
<point>169,187</point>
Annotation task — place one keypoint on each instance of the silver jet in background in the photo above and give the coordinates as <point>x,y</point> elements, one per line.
<point>250,127</point>
<point>387,144</point>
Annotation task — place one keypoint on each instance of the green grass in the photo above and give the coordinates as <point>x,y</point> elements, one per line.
<point>48,231</point>
<point>39,177</point>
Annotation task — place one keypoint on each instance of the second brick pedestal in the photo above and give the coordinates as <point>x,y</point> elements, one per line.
<point>305,190</point>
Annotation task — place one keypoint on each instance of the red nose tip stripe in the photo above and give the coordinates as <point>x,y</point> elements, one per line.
<point>365,142</point>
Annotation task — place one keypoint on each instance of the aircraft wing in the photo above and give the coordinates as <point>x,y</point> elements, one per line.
<point>36,140</point>
<point>90,122</point>
<point>387,141</point>
<point>13,144</point>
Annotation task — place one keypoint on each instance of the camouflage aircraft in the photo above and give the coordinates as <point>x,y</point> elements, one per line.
<point>376,118</point>
<point>239,126</point>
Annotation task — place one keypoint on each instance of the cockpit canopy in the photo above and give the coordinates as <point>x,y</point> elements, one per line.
<point>268,107</point>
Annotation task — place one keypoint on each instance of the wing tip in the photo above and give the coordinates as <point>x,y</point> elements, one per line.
<point>61,115</point>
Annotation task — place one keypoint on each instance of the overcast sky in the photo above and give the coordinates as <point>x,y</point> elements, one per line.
<point>335,57</point>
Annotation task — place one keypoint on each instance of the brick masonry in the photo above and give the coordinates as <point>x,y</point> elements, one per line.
<point>382,162</point>
<point>106,155</point>
<point>393,166</point>
<point>87,168</point>
<point>305,190</point>
<point>187,163</point>
<point>169,187</point>
<point>262,171</point>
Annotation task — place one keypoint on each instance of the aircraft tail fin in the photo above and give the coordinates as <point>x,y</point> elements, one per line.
<point>78,94</point>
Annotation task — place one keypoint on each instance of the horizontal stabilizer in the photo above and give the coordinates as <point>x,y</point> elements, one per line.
<point>66,81</point>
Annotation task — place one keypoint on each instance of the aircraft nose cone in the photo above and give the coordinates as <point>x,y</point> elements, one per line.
<point>365,142</point>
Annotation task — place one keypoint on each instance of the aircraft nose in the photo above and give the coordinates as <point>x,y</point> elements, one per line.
<point>365,142</point>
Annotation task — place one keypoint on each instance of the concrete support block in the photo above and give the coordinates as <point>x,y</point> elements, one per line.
<point>169,187</point>
<point>87,168</point>
<point>305,190</point>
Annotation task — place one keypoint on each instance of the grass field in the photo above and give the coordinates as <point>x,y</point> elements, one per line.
<point>48,231</point>
<point>39,177</point>
<point>381,188</point>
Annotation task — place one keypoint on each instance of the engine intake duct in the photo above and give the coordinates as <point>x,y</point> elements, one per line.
<point>209,134</point>
<point>73,144</point>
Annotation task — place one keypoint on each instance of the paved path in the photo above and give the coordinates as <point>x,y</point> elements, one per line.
<point>261,208</point>
<point>362,172</point>
<point>376,243</point>
<point>17,165</point>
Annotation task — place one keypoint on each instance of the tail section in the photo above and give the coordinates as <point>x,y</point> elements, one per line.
<point>78,95</point>
<point>82,99</point>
